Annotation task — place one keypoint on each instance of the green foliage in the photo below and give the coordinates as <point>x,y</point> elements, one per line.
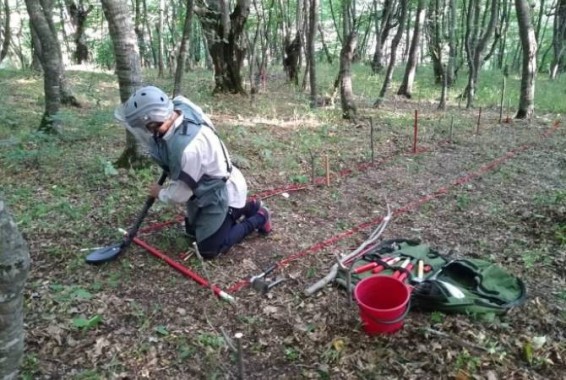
<point>466,361</point>
<point>210,340</point>
<point>87,324</point>
<point>103,52</point>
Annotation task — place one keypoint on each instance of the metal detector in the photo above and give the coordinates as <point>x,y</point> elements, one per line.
<point>105,254</point>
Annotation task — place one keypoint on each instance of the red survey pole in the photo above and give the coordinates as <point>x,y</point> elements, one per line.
<point>184,270</point>
<point>416,128</point>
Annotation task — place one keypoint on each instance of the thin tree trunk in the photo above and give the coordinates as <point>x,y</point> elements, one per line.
<point>7,32</point>
<point>529,44</point>
<point>14,268</point>
<point>346,91</point>
<point>158,32</point>
<point>182,55</point>
<point>433,28</point>
<point>476,44</point>
<point>313,21</point>
<point>128,68</point>
<point>324,46</point>
<point>406,88</point>
<point>78,15</point>
<point>50,58</point>
<point>558,39</point>
<point>452,44</point>
<point>403,4</point>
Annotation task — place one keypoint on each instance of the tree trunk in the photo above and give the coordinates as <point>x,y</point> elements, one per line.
<point>128,68</point>
<point>14,267</point>
<point>433,28</point>
<point>291,59</point>
<point>383,25</point>
<point>35,51</point>
<point>139,29</point>
<point>159,33</point>
<point>50,58</point>
<point>406,88</point>
<point>452,44</point>
<point>476,44</point>
<point>225,37</point>
<point>558,39</point>
<point>7,32</point>
<point>311,53</point>
<point>346,92</point>
<point>182,55</point>
<point>324,46</point>
<point>404,5</point>
<point>529,44</point>
<point>78,14</point>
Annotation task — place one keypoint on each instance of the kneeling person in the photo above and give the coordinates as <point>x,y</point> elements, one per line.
<point>183,141</point>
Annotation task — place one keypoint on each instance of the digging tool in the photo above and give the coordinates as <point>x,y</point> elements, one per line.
<point>389,261</point>
<point>397,273</point>
<point>341,264</point>
<point>404,275</point>
<point>111,252</point>
<point>259,283</point>
<point>263,286</point>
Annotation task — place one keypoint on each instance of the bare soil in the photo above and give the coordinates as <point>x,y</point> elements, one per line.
<point>158,324</point>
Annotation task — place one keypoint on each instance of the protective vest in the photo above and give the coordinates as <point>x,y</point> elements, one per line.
<point>208,207</point>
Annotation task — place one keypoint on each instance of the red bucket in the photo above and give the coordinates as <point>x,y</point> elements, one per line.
<point>383,303</point>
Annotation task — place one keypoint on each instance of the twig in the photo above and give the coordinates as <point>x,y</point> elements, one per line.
<point>210,283</point>
<point>238,338</point>
<point>455,339</point>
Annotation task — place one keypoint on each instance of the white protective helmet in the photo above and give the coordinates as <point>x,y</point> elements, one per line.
<point>147,104</point>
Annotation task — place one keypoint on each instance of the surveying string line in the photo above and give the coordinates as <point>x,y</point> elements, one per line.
<point>401,210</point>
<point>331,241</point>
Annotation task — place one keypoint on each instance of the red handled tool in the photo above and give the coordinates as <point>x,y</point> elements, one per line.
<point>404,275</point>
<point>397,273</point>
<point>389,261</point>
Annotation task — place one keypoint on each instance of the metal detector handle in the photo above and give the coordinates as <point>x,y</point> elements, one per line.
<point>322,282</point>
<point>132,232</point>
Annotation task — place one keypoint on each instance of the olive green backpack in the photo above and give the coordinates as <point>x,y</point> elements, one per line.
<point>471,286</point>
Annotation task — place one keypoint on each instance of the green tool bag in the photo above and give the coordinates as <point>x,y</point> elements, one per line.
<point>402,248</point>
<point>469,286</point>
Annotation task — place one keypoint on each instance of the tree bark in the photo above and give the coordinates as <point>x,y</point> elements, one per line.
<point>79,15</point>
<point>7,33</point>
<point>311,53</point>
<point>406,88</point>
<point>403,7</point>
<point>50,57</point>
<point>14,267</point>
<point>159,36</point>
<point>128,68</point>
<point>452,44</point>
<point>529,44</point>
<point>346,91</point>
<point>224,33</point>
<point>433,33</point>
<point>291,59</point>
<point>558,39</point>
<point>383,26</point>
<point>182,55</point>
<point>476,44</point>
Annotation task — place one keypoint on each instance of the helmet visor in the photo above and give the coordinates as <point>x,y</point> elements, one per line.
<point>141,134</point>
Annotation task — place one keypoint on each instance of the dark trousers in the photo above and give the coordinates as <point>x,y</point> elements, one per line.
<point>232,231</point>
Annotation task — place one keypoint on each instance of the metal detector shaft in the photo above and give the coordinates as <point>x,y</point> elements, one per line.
<point>109,253</point>
<point>132,232</point>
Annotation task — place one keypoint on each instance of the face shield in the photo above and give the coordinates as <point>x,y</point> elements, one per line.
<point>143,136</point>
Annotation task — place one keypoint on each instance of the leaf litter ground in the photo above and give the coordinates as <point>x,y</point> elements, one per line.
<point>138,318</point>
